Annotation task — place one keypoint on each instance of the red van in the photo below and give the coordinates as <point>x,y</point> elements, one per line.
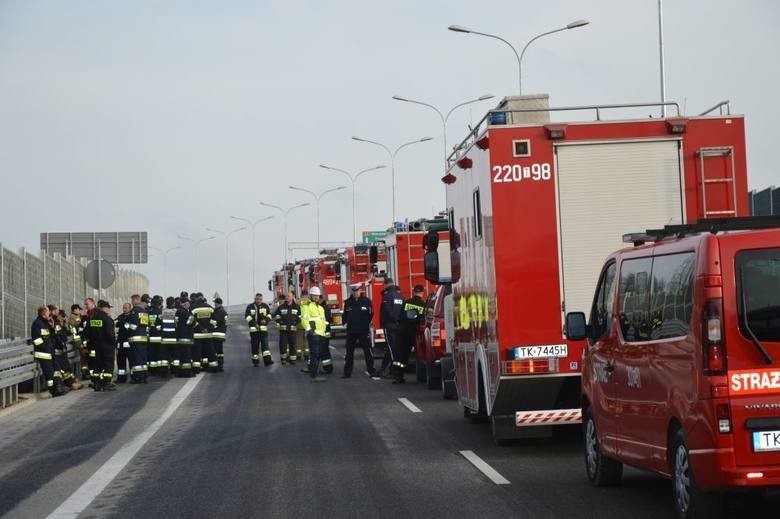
<point>681,375</point>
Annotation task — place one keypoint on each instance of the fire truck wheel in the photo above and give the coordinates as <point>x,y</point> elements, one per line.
<point>689,501</point>
<point>419,370</point>
<point>480,416</point>
<point>602,471</point>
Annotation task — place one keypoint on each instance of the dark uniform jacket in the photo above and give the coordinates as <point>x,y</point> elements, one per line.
<point>155,324</point>
<point>202,313</point>
<point>220,318</point>
<point>100,330</point>
<point>288,316</point>
<point>168,325</point>
<point>258,317</point>
<point>358,313</point>
<point>123,330</point>
<point>184,322</point>
<point>390,312</point>
<point>412,313</point>
<point>139,324</point>
<point>42,339</point>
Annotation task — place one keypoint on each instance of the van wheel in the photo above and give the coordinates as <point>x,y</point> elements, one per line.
<point>419,370</point>
<point>602,471</point>
<point>689,501</point>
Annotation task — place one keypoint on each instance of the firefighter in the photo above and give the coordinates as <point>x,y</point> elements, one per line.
<point>390,312</point>
<point>138,325</point>
<point>412,313</point>
<point>288,317</point>
<point>76,330</point>
<point>43,350</point>
<point>155,335</point>
<point>103,339</point>
<point>62,335</point>
<point>219,334</point>
<point>89,310</point>
<point>358,313</point>
<point>203,313</point>
<point>257,315</point>
<point>314,325</point>
<point>123,359</point>
<point>168,354</point>
<point>184,332</point>
<point>326,359</point>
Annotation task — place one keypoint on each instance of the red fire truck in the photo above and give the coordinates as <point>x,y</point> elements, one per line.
<point>328,275</point>
<point>367,264</point>
<point>534,207</point>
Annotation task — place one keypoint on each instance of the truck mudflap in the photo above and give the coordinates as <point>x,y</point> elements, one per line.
<point>548,417</point>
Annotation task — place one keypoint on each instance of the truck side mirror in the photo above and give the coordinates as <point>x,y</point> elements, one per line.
<point>431,241</point>
<point>373,254</point>
<point>455,265</point>
<point>431,265</point>
<point>576,328</point>
<point>269,285</point>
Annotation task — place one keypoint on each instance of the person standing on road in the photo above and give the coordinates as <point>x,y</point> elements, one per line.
<point>257,315</point>
<point>155,335</point>
<point>219,334</point>
<point>76,330</point>
<point>123,359</point>
<point>89,310</point>
<point>203,313</point>
<point>412,313</point>
<point>139,340</point>
<point>43,350</point>
<point>288,317</point>
<point>168,354</point>
<point>389,314</point>
<point>314,325</point>
<point>102,336</point>
<point>184,322</point>
<point>326,359</point>
<point>358,313</point>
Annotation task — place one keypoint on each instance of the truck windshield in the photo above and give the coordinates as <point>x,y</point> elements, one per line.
<point>759,287</point>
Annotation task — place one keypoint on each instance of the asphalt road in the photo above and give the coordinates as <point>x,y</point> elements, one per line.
<point>266,442</point>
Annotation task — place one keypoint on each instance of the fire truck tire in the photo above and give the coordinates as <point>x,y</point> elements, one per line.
<point>689,501</point>
<point>431,380</point>
<point>480,416</point>
<point>601,470</point>
<point>448,386</point>
<point>419,370</point>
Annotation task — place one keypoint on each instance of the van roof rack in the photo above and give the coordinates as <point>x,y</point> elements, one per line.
<point>711,225</point>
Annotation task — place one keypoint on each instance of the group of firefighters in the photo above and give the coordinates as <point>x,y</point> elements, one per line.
<point>186,335</point>
<point>181,337</point>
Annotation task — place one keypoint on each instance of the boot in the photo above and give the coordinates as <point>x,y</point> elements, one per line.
<point>97,384</point>
<point>76,385</point>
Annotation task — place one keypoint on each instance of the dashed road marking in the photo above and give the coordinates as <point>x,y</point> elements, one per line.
<point>486,469</point>
<point>410,406</point>
<point>91,488</point>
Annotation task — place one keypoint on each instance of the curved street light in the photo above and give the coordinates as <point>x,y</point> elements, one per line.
<point>444,118</point>
<point>317,204</point>
<point>196,243</point>
<point>392,155</point>
<point>226,235</point>
<point>353,177</point>
<point>573,25</point>
<point>285,213</point>
<point>253,225</point>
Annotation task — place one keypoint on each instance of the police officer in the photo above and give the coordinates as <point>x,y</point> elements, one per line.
<point>184,332</point>
<point>219,334</point>
<point>314,325</point>
<point>139,340</point>
<point>168,356</point>
<point>155,335</point>
<point>288,317</point>
<point>43,350</point>
<point>258,315</point>
<point>203,313</point>
<point>358,313</point>
<point>123,333</point>
<point>389,313</point>
<point>412,313</point>
<point>103,339</point>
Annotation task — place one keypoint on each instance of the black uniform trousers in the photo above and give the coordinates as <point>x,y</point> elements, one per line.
<point>391,348</point>
<point>362,340</point>
<point>105,357</point>
<point>208,356</point>
<point>287,343</point>
<point>139,357</point>
<point>258,341</point>
<point>123,361</point>
<point>184,356</point>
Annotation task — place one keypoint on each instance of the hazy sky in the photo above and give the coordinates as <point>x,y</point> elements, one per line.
<point>169,116</point>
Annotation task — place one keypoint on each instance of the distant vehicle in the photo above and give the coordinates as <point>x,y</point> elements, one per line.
<point>681,375</point>
<point>534,207</point>
<point>431,341</point>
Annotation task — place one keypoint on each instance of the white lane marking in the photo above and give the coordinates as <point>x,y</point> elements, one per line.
<point>486,469</point>
<point>410,406</point>
<point>332,347</point>
<point>91,488</point>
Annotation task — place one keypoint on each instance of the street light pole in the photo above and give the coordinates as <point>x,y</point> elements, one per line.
<point>353,179</point>
<point>317,203</point>
<point>572,25</point>
<point>197,244</point>
<point>253,225</point>
<point>284,213</point>
<point>227,258</point>
<point>444,118</point>
<point>392,155</point>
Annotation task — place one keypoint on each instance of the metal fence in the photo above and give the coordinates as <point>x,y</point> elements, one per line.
<point>765,202</point>
<point>29,280</point>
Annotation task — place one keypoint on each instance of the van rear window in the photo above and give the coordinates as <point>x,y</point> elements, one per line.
<point>758,284</point>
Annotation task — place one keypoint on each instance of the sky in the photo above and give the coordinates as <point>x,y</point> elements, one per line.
<point>171,116</point>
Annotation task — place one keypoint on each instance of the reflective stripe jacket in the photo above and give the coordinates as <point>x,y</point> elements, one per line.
<point>288,316</point>
<point>184,323</point>
<point>412,313</point>
<point>168,325</point>
<point>257,317</point>
<point>358,313</point>
<point>75,329</point>
<point>155,324</point>
<point>42,340</point>
<point>390,312</point>
<point>202,313</point>
<point>138,324</point>
<point>122,331</point>
<point>220,317</point>
<point>313,318</point>
<point>60,338</point>
<point>100,330</point>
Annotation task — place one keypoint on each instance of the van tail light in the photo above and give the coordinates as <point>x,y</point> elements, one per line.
<point>723,412</point>
<point>712,338</point>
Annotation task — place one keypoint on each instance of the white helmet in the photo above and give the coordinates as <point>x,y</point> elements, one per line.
<point>315,291</point>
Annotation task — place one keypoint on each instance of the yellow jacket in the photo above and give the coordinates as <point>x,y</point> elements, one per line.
<point>313,318</point>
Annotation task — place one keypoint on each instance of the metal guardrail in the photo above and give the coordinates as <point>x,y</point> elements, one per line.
<point>17,365</point>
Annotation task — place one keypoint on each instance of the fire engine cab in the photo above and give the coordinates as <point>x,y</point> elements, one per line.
<point>534,207</point>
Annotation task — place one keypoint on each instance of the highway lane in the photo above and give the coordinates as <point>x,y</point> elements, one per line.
<point>266,442</point>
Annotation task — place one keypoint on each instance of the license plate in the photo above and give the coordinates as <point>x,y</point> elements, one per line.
<point>766,441</point>
<point>541,352</point>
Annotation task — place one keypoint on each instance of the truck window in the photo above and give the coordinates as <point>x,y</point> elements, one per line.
<point>634,293</point>
<point>760,270</point>
<point>671,295</point>
<point>601,313</point>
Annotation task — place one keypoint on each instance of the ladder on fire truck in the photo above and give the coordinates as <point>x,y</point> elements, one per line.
<point>724,155</point>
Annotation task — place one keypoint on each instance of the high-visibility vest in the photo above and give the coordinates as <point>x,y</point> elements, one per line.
<point>313,318</point>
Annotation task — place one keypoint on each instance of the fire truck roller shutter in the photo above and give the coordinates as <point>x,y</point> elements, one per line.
<point>604,191</point>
